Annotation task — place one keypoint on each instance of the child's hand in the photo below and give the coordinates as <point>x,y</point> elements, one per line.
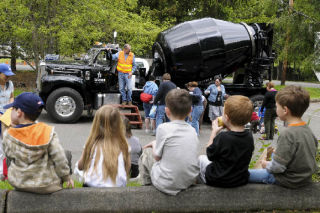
<point>70,183</point>
<point>264,163</point>
<point>149,145</point>
<point>215,127</point>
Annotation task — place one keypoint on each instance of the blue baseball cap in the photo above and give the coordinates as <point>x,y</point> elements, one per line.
<point>5,69</point>
<point>28,102</point>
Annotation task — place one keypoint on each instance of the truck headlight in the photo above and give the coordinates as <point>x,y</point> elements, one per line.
<point>87,75</point>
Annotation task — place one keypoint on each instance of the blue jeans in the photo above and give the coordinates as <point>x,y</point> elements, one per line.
<point>161,115</point>
<point>261,176</point>
<point>195,114</point>
<point>147,107</point>
<point>125,86</point>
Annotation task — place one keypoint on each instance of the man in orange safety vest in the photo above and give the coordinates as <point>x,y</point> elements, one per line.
<point>126,66</point>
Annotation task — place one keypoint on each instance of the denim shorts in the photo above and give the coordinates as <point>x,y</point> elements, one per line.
<point>147,107</point>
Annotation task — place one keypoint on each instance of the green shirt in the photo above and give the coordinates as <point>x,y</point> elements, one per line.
<point>296,150</point>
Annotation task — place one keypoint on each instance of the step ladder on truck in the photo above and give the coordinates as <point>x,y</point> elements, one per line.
<point>130,111</point>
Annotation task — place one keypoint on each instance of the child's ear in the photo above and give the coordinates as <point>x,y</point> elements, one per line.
<point>226,117</point>
<point>286,110</point>
<point>167,110</point>
<point>19,113</point>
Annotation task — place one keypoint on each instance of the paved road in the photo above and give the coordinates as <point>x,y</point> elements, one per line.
<point>300,83</point>
<point>23,67</point>
<point>74,136</point>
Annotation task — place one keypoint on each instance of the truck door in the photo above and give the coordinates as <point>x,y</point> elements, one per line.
<point>103,79</point>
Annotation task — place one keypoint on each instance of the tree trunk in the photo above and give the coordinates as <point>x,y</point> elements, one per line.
<point>13,62</point>
<point>284,72</point>
<point>285,61</point>
<point>279,70</point>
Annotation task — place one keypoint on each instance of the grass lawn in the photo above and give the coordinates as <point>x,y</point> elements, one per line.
<point>314,92</point>
<point>8,60</point>
<point>6,185</point>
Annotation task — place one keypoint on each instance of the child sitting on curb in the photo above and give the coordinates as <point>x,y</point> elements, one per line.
<point>172,163</point>
<point>229,152</point>
<point>293,161</point>
<point>105,160</point>
<point>135,149</point>
<point>36,160</point>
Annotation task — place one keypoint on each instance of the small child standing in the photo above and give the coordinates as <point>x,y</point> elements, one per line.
<point>151,89</point>
<point>229,152</point>
<point>37,161</point>
<point>294,160</point>
<point>172,163</point>
<point>135,149</point>
<point>254,122</point>
<point>105,159</point>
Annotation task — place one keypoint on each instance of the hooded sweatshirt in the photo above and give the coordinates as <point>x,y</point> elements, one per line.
<point>37,160</point>
<point>150,88</point>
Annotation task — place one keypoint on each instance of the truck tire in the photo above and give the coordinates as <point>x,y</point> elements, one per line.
<point>65,105</point>
<point>257,101</point>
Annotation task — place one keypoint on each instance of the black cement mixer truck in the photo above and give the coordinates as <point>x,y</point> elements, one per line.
<point>201,49</point>
<point>196,50</point>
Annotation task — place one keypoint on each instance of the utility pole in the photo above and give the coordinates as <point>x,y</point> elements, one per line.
<point>285,61</point>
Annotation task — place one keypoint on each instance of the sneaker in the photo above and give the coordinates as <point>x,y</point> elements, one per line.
<point>135,179</point>
<point>130,103</point>
<point>124,103</point>
<point>148,131</point>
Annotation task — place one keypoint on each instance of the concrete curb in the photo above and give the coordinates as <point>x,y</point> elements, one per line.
<point>3,198</point>
<point>200,198</point>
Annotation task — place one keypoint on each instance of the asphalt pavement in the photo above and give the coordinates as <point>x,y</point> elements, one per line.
<point>74,136</point>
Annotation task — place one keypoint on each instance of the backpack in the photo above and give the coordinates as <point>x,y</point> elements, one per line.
<point>145,97</point>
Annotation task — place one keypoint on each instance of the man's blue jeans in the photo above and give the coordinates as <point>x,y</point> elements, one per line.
<point>125,86</point>
<point>261,176</point>
<point>195,114</point>
<point>161,115</point>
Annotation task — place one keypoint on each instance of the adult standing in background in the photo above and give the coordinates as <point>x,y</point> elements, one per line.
<point>164,88</point>
<point>6,86</point>
<point>197,104</point>
<point>126,66</point>
<point>217,93</point>
<point>270,114</point>
<point>6,97</point>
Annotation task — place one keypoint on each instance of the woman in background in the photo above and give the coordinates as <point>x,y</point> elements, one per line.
<point>217,94</point>
<point>270,114</point>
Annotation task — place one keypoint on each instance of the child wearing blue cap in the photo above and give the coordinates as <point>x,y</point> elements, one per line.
<point>37,161</point>
<point>6,86</point>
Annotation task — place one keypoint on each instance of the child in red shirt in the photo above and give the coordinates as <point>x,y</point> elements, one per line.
<point>254,122</point>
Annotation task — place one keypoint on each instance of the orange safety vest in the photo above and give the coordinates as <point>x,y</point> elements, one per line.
<point>124,65</point>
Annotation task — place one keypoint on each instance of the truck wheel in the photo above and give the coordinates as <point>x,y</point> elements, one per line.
<point>257,101</point>
<point>65,105</point>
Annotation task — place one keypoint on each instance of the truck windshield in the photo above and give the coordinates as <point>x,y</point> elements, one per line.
<point>91,54</point>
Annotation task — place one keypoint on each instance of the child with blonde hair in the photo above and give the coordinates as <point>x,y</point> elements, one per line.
<point>105,160</point>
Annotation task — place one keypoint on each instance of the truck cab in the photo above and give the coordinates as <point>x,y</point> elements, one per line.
<point>69,87</point>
